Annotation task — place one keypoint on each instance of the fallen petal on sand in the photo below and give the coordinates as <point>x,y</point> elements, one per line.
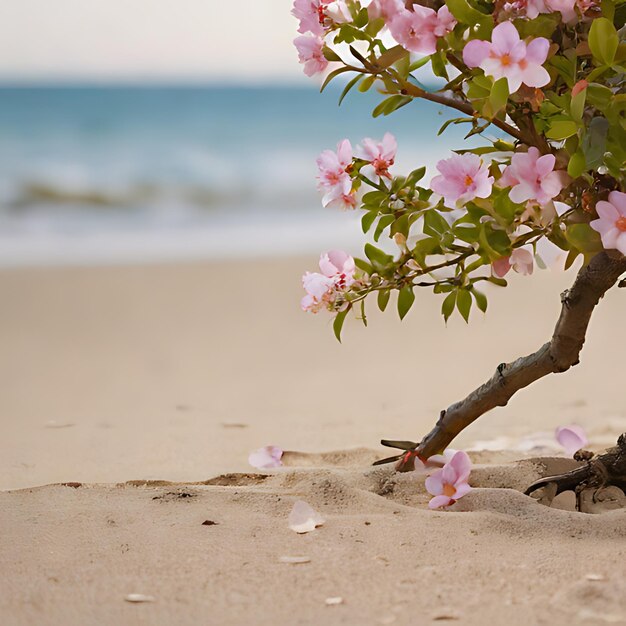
<point>294,559</point>
<point>139,597</point>
<point>303,518</point>
<point>266,458</point>
<point>573,438</point>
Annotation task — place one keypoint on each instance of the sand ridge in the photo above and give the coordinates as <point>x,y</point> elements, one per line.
<point>209,552</point>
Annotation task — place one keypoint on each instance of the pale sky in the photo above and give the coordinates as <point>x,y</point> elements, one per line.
<point>238,40</point>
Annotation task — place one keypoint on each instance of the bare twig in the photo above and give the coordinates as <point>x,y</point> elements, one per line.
<point>558,355</point>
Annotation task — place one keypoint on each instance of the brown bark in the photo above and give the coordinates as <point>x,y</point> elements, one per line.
<point>558,355</point>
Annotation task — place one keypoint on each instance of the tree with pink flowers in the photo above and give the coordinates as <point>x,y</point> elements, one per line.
<point>541,82</point>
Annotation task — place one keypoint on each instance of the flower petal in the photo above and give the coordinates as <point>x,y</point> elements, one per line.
<point>439,502</point>
<point>572,438</point>
<point>303,518</point>
<point>475,52</point>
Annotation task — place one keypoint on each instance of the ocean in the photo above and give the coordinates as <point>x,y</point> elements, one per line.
<point>137,174</point>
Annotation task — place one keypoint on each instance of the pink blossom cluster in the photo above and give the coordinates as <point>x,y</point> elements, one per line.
<point>532,177</point>
<point>567,8</point>
<point>462,178</point>
<point>417,29</point>
<point>335,167</point>
<point>334,178</point>
<point>380,156</point>
<point>507,56</point>
<point>449,483</point>
<point>316,17</point>
<point>336,275</point>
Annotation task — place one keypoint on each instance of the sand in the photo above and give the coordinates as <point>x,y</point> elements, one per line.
<point>172,374</point>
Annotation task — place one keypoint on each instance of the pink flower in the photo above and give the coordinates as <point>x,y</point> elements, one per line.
<point>310,53</point>
<point>532,177</point>
<point>339,266</point>
<point>463,178</point>
<point>445,21</point>
<point>521,261</point>
<point>337,12</point>
<point>337,274</point>
<point>317,15</point>
<point>611,223</point>
<point>450,483</point>
<point>380,154</point>
<point>573,438</point>
<point>506,56</point>
<point>339,200</point>
<point>415,30</point>
<point>567,9</point>
<point>384,8</point>
<point>311,16</point>
<point>266,458</point>
<point>333,178</point>
<point>530,8</point>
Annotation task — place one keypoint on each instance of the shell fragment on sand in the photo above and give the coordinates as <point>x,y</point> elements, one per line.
<point>303,518</point>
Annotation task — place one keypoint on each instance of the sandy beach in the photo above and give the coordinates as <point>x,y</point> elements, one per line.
<point>150,385</point>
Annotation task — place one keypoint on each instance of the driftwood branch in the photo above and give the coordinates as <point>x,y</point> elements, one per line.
<point>558,355</point>
<point>605,469</point>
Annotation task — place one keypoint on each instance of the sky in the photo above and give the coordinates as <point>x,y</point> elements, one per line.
<point>148,40</point>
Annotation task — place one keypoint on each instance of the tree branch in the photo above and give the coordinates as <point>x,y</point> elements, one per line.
<point>465,107</point>
<point>558,355</point>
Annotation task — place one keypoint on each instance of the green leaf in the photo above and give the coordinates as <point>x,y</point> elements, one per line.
<point>448,305</point>
<point>391,56</point>
<point>434,223</point>
<point>481,299</point>
<point>599,96</point>
<point>464,303</point>
<point>577,106</point>
<point>415,176</point>
<point>594,142</point>
<point>406,298</point>
<point>379,259</point>
<point>438,61</point>
<point>562,129</point>
<point>367,220</point>
<point>383,222</point>
<point>332,75</point>
<point>389,105</point>
<point>499,95</point>
<point>364,266</point>
<point>367,83</point>
<point>340,318</point>
<point>577,164</point>
<point>571,257</point>
<point>349,86</point>
<point>383,299</point>
<point>603,40</point>
<point>583,238</point>
<point>330,54</point>
<point>467,14</point>
<point>457,120</point>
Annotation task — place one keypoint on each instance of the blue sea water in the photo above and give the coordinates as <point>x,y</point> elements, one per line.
<point>142,173</point>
